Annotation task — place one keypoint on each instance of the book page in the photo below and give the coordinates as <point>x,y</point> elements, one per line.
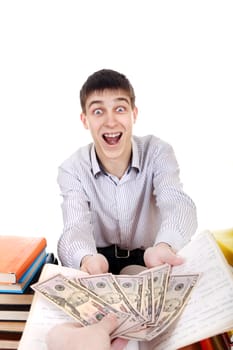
<point>209,311</point>
<point>44,315</point>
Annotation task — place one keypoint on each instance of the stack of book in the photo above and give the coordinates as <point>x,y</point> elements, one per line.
<point>21,261</point>
<point>228,339</point>
<point>222,341</point>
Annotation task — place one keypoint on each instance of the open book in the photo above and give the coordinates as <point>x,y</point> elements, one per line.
<point>209,311</point>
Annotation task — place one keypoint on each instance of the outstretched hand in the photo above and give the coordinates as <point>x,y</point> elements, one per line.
<point>70,336</point>
<point>160,254</point>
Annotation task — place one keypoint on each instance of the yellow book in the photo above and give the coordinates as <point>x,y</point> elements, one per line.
<point>224,239</point>
<point>230,334</point>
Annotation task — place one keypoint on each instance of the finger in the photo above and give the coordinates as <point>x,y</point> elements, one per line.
<point>91,268</point>
<point>119,344</point>
<point>69,325</point>
<point>94,270</point>
<point>170,257</point>
<point>154,256</point>
<point>84,269</point>
<point>152,262</point>
<point>108,323</point>
<point>177,260</point>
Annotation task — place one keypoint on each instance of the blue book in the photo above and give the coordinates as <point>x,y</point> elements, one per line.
<point>27,277</point>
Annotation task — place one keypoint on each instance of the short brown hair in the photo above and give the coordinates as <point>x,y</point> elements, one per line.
<point>106,79</point>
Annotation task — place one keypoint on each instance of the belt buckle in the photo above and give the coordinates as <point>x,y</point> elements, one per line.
<point>127,251</point>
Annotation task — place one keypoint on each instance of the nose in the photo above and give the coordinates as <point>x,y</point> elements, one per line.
<point>110,119</point>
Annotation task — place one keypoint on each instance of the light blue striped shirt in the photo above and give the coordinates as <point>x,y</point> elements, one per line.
<point>145,207</point>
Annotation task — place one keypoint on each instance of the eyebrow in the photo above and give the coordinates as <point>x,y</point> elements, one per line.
<point>118,99</point>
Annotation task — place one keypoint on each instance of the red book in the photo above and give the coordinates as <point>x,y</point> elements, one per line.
<point>17,253</point>
<point>206,344</point>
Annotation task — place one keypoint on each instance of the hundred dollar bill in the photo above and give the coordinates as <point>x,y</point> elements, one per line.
<point>107,288</point>
<point>78,302</point>
<point>179,289</point>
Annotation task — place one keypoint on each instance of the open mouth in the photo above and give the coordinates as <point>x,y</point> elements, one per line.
<point>112,138</point>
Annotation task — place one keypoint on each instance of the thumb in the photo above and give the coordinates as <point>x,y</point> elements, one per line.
<point>108,323</point>
<point>173,259</point>
<point>178,260</point>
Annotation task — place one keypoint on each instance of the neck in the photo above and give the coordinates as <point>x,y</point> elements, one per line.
<point>115,168</point>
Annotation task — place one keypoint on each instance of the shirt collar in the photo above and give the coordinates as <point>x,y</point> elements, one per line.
<point>134,160</point>
<point>135,156</point>
<point>94,162</point>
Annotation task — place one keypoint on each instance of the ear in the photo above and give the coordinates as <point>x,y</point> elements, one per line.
<point>135,114</point>
<point>83,118</point>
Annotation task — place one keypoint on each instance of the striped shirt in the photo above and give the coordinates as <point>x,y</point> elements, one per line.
<point>146,206</point>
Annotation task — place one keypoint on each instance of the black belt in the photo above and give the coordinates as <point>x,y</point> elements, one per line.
<point>115,251</point>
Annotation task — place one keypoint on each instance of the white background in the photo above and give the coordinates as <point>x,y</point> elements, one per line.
<point>179,58</point>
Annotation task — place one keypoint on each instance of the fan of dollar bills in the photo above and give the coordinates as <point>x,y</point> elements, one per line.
<point>145,304</point>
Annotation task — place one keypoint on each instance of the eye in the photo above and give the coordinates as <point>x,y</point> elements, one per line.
<point>120,109</point>
<point>97,111</point>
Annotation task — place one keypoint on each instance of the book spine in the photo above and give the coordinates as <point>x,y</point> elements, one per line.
<point>14,307</point>
<point>227,341</point>
<point>34,254</point>
<point>218,342</point>
<point>206,344</point>
<point>230,335</point>
<point>23,251</point>
<point>27,278</point>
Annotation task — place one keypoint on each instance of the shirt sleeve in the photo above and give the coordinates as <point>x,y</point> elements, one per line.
<point>178,211</point>
<point>77,238</point>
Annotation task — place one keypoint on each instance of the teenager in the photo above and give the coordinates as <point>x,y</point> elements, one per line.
<point>123,201</point>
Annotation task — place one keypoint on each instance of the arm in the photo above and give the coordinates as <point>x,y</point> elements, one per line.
<point>177,210</point>
<point>77,243</point>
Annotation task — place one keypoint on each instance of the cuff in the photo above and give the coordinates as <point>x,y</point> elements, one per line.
<point>77,258</point>
<point>174,240</point>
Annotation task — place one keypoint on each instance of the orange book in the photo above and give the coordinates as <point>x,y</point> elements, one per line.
<point>17,253</point>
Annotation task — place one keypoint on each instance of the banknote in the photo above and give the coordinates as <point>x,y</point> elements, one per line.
<point>145,304</point>
<point>156,280</point>
<point>108,289</point>
<point>77,301</point>
<point>147,301</point>
<point>146,290</point>
<point>159,287</point>
<point>154,291</point>
<point>133,287</point>
<point>178,291</point>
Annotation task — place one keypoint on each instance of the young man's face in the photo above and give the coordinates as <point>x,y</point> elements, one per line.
<point>110,118</point>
